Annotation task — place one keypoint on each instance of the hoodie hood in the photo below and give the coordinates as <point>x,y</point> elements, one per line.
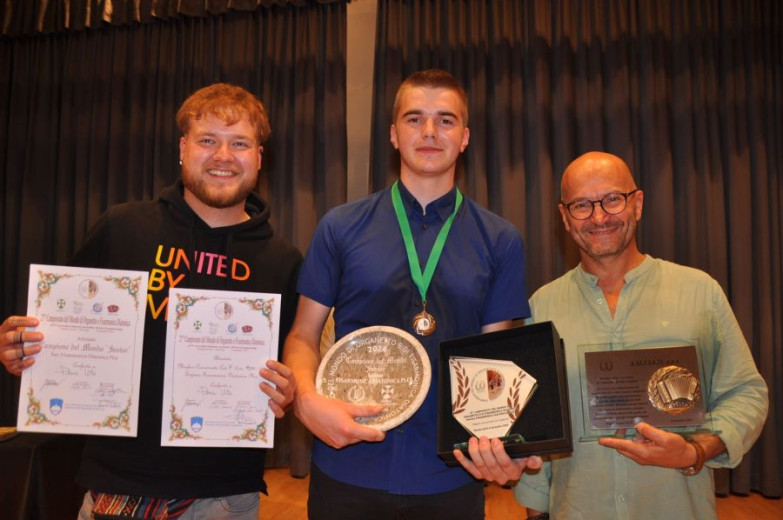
<point>206,245</point>
<point>257,227</point>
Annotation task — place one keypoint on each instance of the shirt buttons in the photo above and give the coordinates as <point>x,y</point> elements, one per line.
<point>620,498</point>
<point>600,300</point>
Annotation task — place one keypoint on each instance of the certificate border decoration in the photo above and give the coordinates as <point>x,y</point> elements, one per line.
<point>259,304</point>
<point>183,304</point>
<point>175,426</point>
<point>115,422</point>
<point>34,414</point>
<point>128,283</point>
<point>254,434</point>
<point>45,282</point>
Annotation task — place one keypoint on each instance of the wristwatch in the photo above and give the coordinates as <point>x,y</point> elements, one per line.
<point>700,456</point>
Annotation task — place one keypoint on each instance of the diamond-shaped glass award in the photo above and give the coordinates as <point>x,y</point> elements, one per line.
<point>487,395</point>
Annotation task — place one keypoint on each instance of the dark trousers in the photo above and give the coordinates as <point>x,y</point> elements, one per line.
<point>331,499</point>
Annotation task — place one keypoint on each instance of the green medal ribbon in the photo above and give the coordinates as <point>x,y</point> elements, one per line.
<point>422,281</point>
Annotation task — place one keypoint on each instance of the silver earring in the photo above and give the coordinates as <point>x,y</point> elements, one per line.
<point>180,162</point>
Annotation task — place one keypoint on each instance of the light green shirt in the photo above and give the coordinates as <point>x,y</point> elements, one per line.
<point>661,304</point>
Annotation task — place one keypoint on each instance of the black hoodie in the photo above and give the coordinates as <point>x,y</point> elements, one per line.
<point>167,239</point>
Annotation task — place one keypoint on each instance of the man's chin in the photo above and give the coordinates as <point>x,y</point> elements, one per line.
<point>219,197</point>
<point>599,250</point>
<point>226,202</point>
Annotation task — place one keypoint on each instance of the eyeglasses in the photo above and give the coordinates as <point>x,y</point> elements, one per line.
<point>611,203</point>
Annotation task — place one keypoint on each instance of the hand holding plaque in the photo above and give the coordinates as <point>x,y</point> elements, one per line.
<point>488,395</point>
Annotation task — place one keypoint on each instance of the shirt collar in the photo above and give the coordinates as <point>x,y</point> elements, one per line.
<point>442,206</point>
<point>630,276</point>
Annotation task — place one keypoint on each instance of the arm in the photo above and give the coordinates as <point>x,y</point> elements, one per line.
<point>532,490</point>
<point>738,404</point>
<point>330,420</point>
<point>15,355</point>
<point>492,327</point>
<point>738,397</point>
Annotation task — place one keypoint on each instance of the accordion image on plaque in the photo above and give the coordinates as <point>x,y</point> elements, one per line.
<point>488,395</point>
<point>673,390</point>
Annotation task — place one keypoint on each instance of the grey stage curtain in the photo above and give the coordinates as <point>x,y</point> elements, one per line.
<point>87,121</point>
<point>690,94</point>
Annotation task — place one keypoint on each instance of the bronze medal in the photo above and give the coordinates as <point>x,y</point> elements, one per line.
<point>424,323</point>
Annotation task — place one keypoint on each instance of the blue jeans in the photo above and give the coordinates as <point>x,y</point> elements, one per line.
<point>234,507</point>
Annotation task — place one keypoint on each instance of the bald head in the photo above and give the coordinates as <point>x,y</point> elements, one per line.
<point>593,169</point>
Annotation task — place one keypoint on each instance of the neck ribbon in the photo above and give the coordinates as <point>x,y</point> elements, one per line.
<point>422,280</point>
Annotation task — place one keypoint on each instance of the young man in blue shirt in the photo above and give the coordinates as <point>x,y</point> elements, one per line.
<point>357,263</point>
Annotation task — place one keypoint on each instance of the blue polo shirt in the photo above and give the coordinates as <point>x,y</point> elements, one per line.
<point>357,264</point>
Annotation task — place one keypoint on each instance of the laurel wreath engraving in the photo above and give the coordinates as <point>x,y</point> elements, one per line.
<point>463,388</point>
<point>514,409</point>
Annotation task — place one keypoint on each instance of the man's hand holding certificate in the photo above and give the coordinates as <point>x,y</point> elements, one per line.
<point>216,343</point>
<point>86,376</point>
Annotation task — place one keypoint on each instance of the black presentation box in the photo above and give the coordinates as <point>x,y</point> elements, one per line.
<point>545,422</point>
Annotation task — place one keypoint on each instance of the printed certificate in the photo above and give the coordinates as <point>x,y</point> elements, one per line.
<point>86,377</point>
<point>215,345</point>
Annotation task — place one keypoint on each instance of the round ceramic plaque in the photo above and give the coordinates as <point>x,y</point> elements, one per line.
<point>377,365</point>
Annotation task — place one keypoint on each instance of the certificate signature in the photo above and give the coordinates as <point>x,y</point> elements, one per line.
<point>86,378</point>
<point>215,345</point>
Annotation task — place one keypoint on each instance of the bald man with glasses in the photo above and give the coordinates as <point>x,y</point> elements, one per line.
<point>622,298</point>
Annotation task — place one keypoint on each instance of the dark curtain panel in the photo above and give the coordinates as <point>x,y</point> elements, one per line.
<point>690,94</point>
<point>87,121</point>
<point>20,17</point>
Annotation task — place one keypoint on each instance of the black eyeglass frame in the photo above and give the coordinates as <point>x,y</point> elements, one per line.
<point>601,202</point>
